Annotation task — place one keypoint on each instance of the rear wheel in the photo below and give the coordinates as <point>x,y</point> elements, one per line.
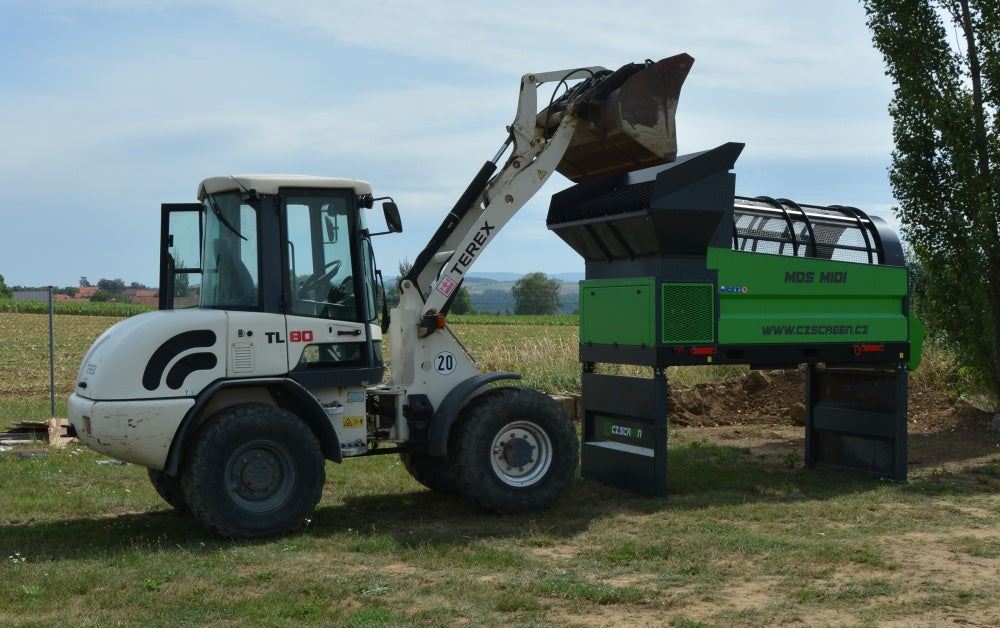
<point>253,470</point>
<point>169,488</point>
<point>431,471</point>
<point>514,449</point>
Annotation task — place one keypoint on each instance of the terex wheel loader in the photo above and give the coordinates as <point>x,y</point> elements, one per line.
<point>265,357</point>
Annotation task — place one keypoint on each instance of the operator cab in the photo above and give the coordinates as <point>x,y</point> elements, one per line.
<point>296,246</point>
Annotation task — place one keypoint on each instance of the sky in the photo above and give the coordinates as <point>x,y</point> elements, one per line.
<point>110,107</point>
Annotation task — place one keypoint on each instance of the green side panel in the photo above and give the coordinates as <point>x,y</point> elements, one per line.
<point>776,299</point>
<point>621,311</point>
<point>688,313</point>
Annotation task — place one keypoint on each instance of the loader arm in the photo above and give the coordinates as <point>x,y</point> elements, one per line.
<point>608,123</point>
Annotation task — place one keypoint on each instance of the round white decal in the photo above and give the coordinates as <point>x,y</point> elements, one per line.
<point>444,363</point>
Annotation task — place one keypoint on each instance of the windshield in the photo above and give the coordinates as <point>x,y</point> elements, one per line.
<point>230,277</point>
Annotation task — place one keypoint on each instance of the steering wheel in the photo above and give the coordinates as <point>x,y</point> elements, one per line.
<point>320,277</point>
<point>340,293</point>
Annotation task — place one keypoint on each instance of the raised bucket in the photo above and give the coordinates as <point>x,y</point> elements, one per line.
<point>627,120</point>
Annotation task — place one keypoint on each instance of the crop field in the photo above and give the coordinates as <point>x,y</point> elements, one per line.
<point>542,348</point>
<point>24,360</point>
<point>746,536</point>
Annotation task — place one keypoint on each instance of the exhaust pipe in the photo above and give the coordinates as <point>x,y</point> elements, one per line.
<point>626,119</point>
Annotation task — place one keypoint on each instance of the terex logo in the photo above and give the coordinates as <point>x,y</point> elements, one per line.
<point>477,244</point>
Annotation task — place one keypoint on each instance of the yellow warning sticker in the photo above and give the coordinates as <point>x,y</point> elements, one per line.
<point>353,422</point>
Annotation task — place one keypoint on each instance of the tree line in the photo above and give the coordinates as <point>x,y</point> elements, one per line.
<point>532,294</point>
<point>107,289</point>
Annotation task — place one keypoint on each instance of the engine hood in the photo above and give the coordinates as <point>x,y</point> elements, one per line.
<point>171,353</point>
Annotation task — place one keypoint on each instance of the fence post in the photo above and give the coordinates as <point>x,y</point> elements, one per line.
<point>52,361</point>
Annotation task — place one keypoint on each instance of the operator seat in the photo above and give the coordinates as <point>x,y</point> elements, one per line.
<point>236,285</point>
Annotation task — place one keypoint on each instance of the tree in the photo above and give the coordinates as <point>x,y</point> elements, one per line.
<point>102,296</point>
<point>5,292</point>
<point>84,283</point>
<point>535,293</point>
<point>943,58</point>
<point>111,285</point>
<point>462,303</point>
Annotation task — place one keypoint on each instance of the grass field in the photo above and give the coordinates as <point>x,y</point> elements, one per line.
<point>746,537</point>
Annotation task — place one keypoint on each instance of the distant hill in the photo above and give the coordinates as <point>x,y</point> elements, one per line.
<point>512,277</point>
<point>491,292</point>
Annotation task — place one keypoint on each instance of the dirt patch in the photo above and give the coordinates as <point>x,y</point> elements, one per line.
<point>765,411</point>
<point>759,397</point>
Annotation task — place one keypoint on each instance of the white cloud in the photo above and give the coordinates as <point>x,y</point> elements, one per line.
<point>114,106</point>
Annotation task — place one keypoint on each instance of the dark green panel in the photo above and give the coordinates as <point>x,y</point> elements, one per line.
<point>688,313</point>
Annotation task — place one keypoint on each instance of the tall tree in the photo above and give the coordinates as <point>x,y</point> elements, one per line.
<point>535,293</point>
<point>5,292</point>
<point>462,303</point>
<point>944,59</point>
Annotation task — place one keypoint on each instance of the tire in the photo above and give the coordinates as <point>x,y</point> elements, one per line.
<point>253,470</point>
<point>431,471</point>
<point>169,488</point>
<point>513,450</point>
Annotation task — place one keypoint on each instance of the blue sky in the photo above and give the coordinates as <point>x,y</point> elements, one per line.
<point>111,107</point>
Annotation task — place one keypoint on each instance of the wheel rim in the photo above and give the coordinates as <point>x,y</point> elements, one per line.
<point>521,453</point>
<point>260,476</point>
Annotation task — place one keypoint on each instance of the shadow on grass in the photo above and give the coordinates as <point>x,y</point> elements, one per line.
<point>700,476</point>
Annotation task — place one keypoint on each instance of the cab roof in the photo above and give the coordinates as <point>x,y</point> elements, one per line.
<point>271,183</point>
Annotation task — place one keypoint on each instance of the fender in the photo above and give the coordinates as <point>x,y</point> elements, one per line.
<point>447,411</point>
<point>288,394</point>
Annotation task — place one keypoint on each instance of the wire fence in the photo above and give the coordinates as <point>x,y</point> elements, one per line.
<point>41,348</point>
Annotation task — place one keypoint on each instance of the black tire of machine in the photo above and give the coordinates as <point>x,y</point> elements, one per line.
<point>512,450</point>
<point>253,470</point>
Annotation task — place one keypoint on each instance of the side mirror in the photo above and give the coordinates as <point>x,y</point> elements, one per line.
<point>392,220</point>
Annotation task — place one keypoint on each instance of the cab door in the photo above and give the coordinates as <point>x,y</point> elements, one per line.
<point>181,232</point>
<point>329,340</point>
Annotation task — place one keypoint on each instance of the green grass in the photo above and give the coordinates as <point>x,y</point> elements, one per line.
<point>89,543</point>
<point>743,538</point>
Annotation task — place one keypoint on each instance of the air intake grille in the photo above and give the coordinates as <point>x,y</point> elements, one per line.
<point>688,313</point>
<point>242,357</point>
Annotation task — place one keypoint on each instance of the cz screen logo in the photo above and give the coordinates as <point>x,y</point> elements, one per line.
<point>610,429</point>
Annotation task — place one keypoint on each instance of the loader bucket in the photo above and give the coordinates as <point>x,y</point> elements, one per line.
<point>627,121</point>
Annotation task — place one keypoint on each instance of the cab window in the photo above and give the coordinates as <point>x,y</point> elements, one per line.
<point>321,275</point>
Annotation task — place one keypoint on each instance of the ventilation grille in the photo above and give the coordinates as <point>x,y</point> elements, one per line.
<point>688,313</point>
<point>242,357</point>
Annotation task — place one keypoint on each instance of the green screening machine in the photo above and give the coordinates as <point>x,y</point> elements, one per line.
<point>680,271</point>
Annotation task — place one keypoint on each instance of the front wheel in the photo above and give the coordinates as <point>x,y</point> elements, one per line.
<point>253,470</point>
<point>513,449</point>
<point>169,488</point>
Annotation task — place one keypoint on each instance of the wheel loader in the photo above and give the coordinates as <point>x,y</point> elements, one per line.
<point>264,359</point>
